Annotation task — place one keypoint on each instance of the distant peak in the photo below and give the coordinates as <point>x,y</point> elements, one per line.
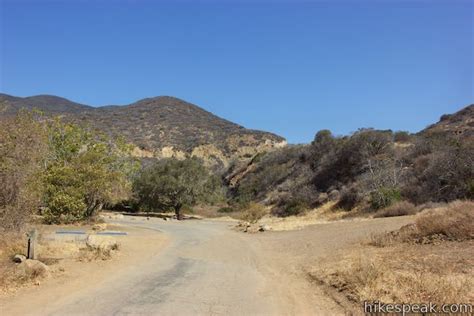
<point>162,98</point>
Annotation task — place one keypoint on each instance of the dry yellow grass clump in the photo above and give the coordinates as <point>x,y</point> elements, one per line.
<point>454,222</point>
<point>10,245</point>
<point>323,214</point>
<point>253,212</point>
<point>429,261</point>
<point>398,209</point>
<point>404,273</point>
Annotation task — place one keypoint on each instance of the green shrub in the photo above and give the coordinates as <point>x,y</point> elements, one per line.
<point>65,207</point>
<point>384,197</point>
<point>172,184</point>
<point>84,172</point>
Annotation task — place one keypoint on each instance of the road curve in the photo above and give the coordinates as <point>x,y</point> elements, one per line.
<point>208,269</point>
<point>205,270</point>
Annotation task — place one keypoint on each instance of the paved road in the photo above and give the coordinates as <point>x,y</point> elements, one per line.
<point>208,269</point>
<point>205,270</point>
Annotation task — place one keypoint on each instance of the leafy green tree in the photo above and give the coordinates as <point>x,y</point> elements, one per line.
<point>84,171</point>
<point>171,184</point>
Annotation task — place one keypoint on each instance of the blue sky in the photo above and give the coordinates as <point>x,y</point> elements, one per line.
<point>288,67</point>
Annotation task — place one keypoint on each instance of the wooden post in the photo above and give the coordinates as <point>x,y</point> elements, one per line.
<point>32,244</point>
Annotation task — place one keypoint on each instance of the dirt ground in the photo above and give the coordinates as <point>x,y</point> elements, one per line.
<point>75,275</point>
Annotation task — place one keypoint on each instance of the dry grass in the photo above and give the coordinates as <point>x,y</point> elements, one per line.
<point>323,214</point>
<point>429,261</point>
<point>454,222</point>
<point>398,209</point>
<point>404,273</point>
<point>216,211</point>
<point>92,254</point>
<point>253,212</point>
<point>10,245</point>
<point>99,248</point>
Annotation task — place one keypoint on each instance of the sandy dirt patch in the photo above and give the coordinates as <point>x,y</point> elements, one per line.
<point>72,275</point>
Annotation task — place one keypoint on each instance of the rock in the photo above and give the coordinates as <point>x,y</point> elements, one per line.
<point>334,195</point>
<point>19,258</point>
<point>99,227</point>
<point>103,243</point>
<point>165,218</point>
<point>33,268</point>
<point>264,228</point>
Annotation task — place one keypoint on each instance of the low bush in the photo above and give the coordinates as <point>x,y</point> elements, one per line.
<point>290,207</point>
<point>349,199</point>
<point>455,222</point>
<point>430,205</point>
<point>227,209</point>
<point>401,137</point>
<point>398,209</point>
<point>384,197</point>
<point>253,212</point>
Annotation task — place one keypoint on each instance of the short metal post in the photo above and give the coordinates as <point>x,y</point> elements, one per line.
<point>32,242</point>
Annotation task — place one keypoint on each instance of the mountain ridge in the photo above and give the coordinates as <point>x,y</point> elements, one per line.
<point>45,102</point>
<point>162,126</point>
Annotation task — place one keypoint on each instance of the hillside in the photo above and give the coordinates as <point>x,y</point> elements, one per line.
<point>47,103</point>
<point>460,124</point>
<point>432,165</point>
<point>160,127</point>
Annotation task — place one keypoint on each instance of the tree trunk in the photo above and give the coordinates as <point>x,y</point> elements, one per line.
<point>177,211</point>
<point>93,209</point>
